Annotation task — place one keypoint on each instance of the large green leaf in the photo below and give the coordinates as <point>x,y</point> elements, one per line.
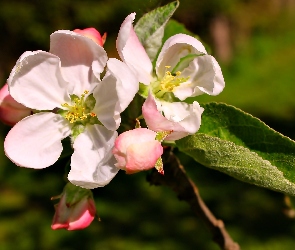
<point>150,28</point>
<point>242,146</point>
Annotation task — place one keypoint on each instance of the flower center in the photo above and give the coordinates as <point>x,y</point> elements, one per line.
<point>168,82</point>
<point>79,109</point>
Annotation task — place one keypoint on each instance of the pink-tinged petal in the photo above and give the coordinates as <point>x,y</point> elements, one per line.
<point>93,34</point>
<point>176,47</point>
<point>181,118</point>
<point>205,76</point>
<point>107,98</point>
<point>129,137</point>
<point>81,58</point>
<point>143,156</point>
<point>92,163</point>
<point>137,150</point>
<point>35,141</point>
<point>154,119</point>
<point>83,214</point>
<point>132,52</point>
<point>62,214</point>
<point>37,83</point>
<point>126,83</point>
<point>188,116</point>
<point>11,111</point>
<point>56,226</point>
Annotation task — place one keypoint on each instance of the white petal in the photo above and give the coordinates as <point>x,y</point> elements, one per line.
<point>188,116</point>
<point>181,118</point>
<point>92,163</point>
<point>126,83</point>
<point>132,52</point>
<point>35,141</point>
<point>37,83</point>
<point>114,93</point>
<point>106,97</point>
<point>152,113</point>
<point>176,47</point>
<point>80,58</point>
<point>205,76</point>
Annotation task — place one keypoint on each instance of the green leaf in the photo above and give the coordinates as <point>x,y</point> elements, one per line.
<point>184,62</point>
<point>242,146</point>
<point>150,28</point>
<point>74,97</point>
<point>143,90</point>
<point>62,112</point>
<point>92,120</point>
<point>173,27</point>
<point>89,103</point>
<point>75,194</point>
<point>77,129</point>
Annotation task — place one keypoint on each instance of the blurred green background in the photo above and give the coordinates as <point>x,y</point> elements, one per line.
<point>254,41</point>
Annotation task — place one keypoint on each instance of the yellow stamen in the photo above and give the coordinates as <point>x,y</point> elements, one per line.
<point>76,111</point>
<point>170,81</point>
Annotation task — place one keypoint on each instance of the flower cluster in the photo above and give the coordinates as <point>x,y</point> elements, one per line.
<point>65,88</point>
<point>76,91</point>
<point>183,69</point>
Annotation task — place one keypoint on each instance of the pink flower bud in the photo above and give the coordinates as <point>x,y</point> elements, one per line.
<point>75,210</point>
<point>136,150</point>
<point>11,111</point>
<point>93,34</point>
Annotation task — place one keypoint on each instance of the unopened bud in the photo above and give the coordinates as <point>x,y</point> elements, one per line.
<point>75,210</point>
<point>93,34</point>
<point>137,150</point>
<point>11,111</point>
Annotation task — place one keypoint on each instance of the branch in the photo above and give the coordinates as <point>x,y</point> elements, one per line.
<point>176,178</point>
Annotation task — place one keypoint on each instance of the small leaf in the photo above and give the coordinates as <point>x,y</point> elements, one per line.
<point>143,90</point>
<point>92,120</point>
<point>242,146</point>
<point>161,135</point>
<point>75,194</point>
<point>74,97</point>
<point>89,103</point>
<point>76,130</point>
<point>184,62</point>
<point>150,28</point>
<point>159,166</point>
<point>62,112</point>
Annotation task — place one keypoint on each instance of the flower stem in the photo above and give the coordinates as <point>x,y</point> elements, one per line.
<point>175,177</point>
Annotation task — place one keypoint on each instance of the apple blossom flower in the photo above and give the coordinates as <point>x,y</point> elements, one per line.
<point>137,150</point>
<point>93,34</point>
<point>180,118</point>
<point>75,210</point>
<point>64,84</point>
<point>11,111</point>
<point>183,69</point>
